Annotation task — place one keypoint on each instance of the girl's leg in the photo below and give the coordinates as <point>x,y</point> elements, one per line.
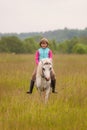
<point>53,81</point>
<point>32,82</point>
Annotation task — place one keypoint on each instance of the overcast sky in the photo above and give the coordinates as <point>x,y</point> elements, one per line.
<point>42,15</point>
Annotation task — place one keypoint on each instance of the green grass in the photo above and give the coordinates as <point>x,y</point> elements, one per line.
<point>66,110</point>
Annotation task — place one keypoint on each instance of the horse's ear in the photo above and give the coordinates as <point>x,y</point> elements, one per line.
<point>51,60</point>
<point>41,63</point>
<point>39,69</point>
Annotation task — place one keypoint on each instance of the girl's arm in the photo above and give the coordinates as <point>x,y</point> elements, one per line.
<point>37,57</point>
<point>50,54</point>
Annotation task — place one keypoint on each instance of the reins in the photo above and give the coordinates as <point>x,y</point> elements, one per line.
<point>43,76</point>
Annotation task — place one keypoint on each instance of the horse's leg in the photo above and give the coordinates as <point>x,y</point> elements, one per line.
<point>41,94</point>
<point>47,94</point>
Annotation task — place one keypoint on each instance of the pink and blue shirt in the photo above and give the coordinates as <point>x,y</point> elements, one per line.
<point>42,53</point>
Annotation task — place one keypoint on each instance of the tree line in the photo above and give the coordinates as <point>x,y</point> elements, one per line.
<point>13,44</point>
<point>58,34</point>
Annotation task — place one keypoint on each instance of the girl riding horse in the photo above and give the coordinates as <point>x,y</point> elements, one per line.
<point>41,53</point>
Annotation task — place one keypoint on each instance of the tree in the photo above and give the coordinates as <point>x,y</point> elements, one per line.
<point>80,49</point>
<point>30,45</point>
<point>12,44</point>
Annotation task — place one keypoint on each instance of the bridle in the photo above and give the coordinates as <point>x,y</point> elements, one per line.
<point>43,69</point>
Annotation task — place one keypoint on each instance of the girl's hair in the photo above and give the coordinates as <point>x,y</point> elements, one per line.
<point>44,39</point>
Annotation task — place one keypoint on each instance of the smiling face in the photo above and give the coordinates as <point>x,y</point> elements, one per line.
<point>44,44</point>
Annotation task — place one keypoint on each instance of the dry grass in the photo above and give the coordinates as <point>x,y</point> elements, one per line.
<point>66,110</point>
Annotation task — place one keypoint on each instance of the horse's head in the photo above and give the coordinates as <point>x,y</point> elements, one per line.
<point>46,68</point>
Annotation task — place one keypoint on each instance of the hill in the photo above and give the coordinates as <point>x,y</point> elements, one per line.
<point>58,35</point>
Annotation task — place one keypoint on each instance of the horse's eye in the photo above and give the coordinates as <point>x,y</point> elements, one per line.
<point>50,68</point>
<point>43,69</point>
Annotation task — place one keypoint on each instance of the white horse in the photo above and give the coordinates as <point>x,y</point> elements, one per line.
<point>43,77</point>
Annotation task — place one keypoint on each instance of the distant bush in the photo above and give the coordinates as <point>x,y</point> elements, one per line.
<point>80,48</point>
<point>11,44</point>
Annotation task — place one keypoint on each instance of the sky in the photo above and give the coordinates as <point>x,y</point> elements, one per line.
<point>18,16</point>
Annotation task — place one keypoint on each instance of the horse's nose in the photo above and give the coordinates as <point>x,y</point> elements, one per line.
<point>47,78</point>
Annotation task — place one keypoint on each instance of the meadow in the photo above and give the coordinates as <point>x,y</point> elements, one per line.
<point>66,110</point>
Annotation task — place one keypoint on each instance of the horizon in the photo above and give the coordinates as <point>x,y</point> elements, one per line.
<point>46,30</point>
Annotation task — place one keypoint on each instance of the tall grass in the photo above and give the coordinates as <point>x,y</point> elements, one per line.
<point>66,110</point>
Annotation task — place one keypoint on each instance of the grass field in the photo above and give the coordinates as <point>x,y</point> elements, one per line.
<point>66,110</point>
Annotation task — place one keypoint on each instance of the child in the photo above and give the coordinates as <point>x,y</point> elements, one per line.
<point>42,52</point>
